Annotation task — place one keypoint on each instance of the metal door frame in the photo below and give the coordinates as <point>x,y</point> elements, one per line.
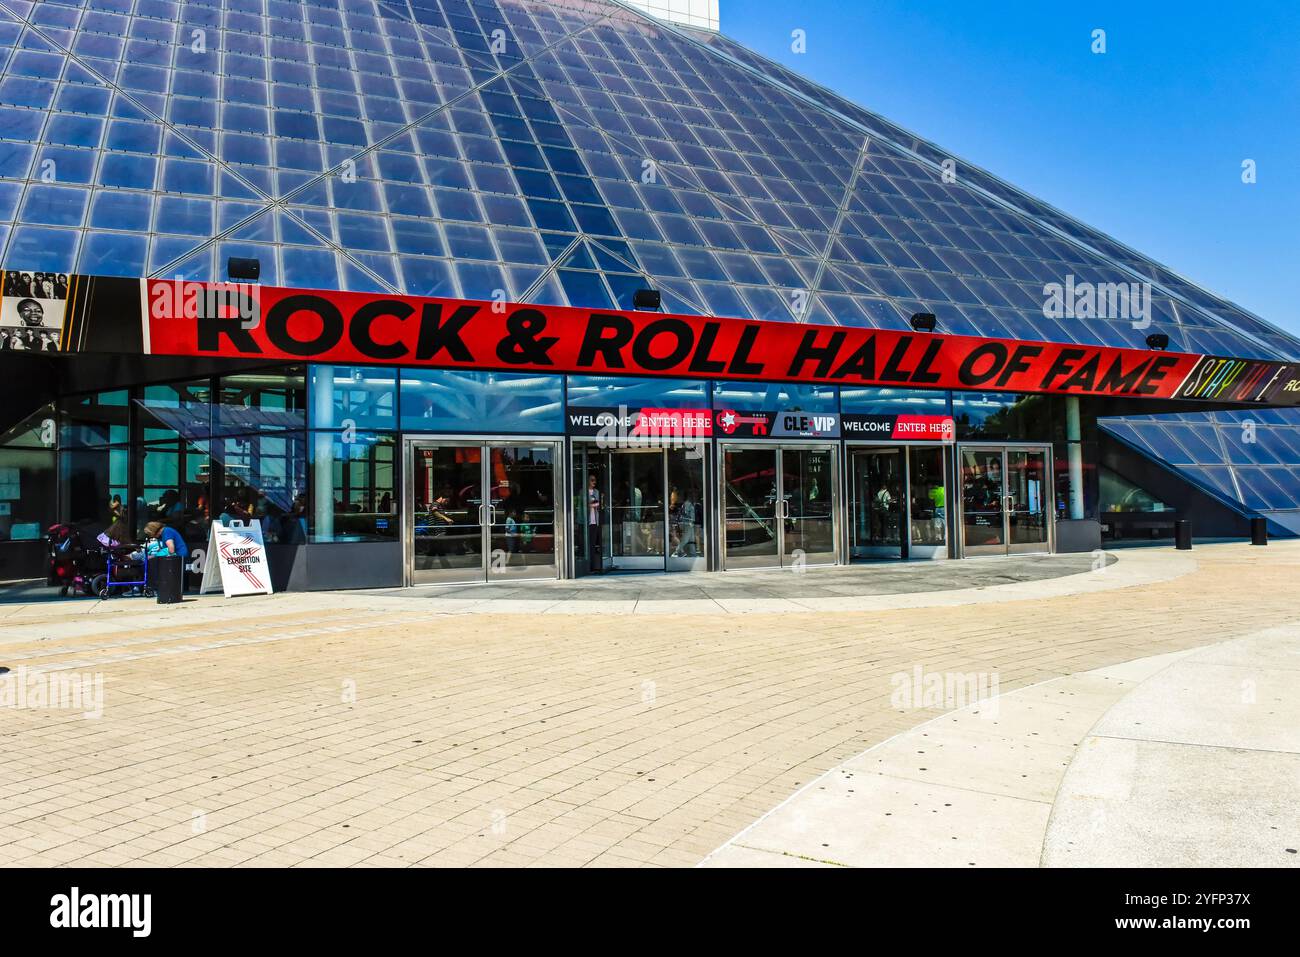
<point>485,443</point>
<point>1048,495</point>
<point>831,446</point>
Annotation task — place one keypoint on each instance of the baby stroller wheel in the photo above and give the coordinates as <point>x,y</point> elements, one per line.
<point>63,591</point>
<point>148,592</point>
<point>99,586</point>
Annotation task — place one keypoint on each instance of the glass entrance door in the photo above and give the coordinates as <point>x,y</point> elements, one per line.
<point>686,509</point>
<point>521,511</point>
<point>778,505</point>
<point>751,509</point>
<point>1028,500</point>
<point>650,505</point>
<point>876,485</point>
<point>808,491</point>
<point>1004,500</point>
<point>927,502</point>
<point>445,499</point>
<point>481,510</point>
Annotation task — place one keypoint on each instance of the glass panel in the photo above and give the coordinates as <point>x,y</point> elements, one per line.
<point>877,477</point>
<point>929,497</point>
<point>807,481</point>
<point>366,395</point>
<point>521,490</point>
<point>94,420</point>
<point>775,397</point>
<point>435,400</point>
<point>1001,415</point>
<point>872,401</point>
<point>446,489</point>
<point>1027,488</point>
<point>27,494</point>
<point>180,409</point>
<point>37,431</point>
<point>749,516</point>
<point>981,491</point>
<point>687,506</point>
<point>359,504</point>
<point>176,478</point>
<point>264,479</point>
<point>93,490</point>
<point>635,393</point>
<point>260,402</point>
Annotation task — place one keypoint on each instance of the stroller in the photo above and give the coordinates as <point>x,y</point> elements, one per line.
<point>75,558</point>
<point>124,572</point>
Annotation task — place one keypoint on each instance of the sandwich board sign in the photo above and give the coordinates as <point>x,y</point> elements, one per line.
<point>236,558</point>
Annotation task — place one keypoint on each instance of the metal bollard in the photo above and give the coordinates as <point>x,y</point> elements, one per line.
<point>1183,534</point>
<point>1259,531</point>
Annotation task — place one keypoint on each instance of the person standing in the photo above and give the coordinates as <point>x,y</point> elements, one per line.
<point>594,502</point>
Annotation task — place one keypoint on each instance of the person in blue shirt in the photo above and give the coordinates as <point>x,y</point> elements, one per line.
<point>169,540</point>
<point>163,540</point>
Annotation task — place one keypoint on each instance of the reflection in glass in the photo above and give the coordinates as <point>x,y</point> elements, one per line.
<point>807,484</point>
<point>981,491</point>
<point>93,485</point>
<point>94,420</point>
<point>28,486</point>
<point>176,410</point>
<point>635,492</point>
<point>361,488</point>
<point>522,485</point>
<point>261,401</point>
<point>1026,490</point>
<point>687,505</point>
<point>447,495</point>
<point>775,397</point>
<point>365,395</point>
<point>750,506</point>
<point>877,477</point>
<point>869,400</point>
<point>435,400</point>
<point>928,497</point>
<point>635,393</point>
<point>264,479</point>
<point>175,489</point>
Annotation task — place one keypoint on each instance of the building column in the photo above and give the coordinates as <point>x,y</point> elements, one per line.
<point>1074,455</point>
<point>321,379</point>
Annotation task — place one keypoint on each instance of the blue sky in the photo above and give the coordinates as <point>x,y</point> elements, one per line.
<point>1144,142</point>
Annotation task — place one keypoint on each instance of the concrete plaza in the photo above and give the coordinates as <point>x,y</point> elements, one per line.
<point>631,724</point>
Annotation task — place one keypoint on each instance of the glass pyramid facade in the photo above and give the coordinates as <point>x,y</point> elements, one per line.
<point>551,151</point>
